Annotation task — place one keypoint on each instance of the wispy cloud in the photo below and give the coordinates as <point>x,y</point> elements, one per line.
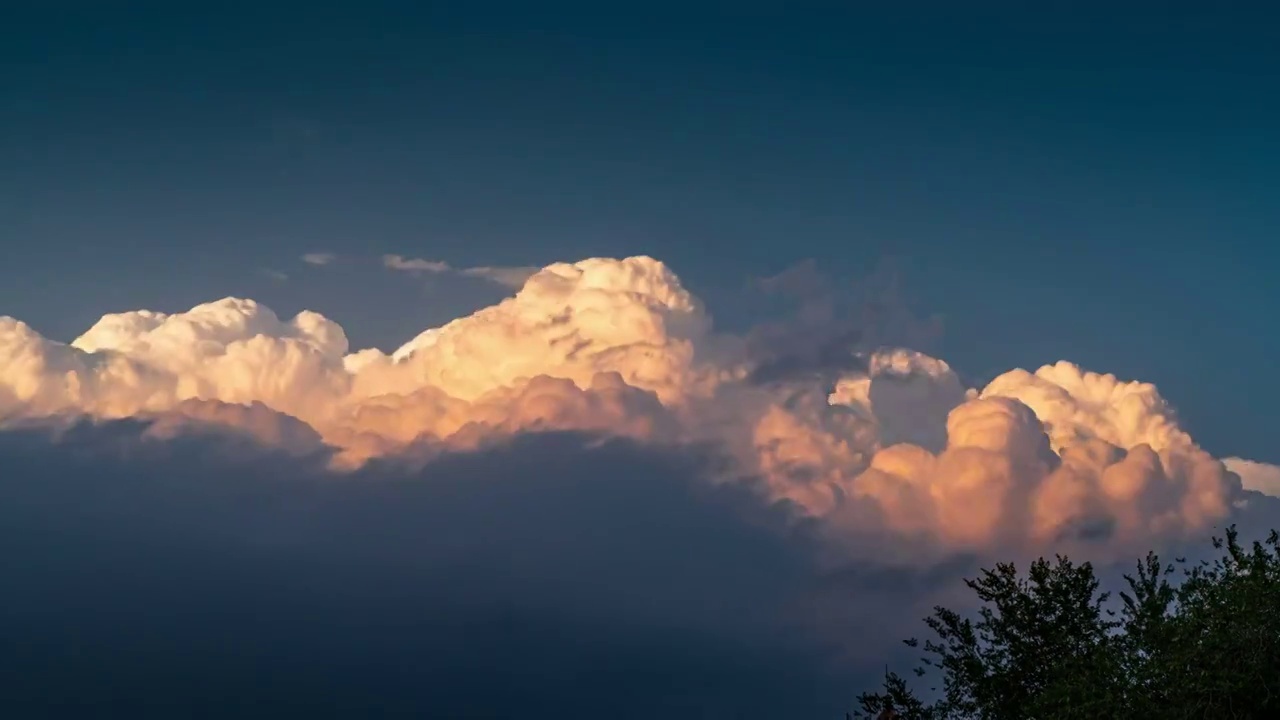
<point>415,265</point>
<point>508,276</point>
<point>273,274</point>
<point>319,258</point>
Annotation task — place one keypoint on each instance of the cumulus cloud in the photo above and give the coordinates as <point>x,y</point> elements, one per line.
<point>513,277</point>
<point>565,493</point>
<point>906,393</point>
<point>319,258</point>
<point>880,445</point>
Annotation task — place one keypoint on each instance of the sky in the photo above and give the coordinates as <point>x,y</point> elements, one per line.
<point>1018,185</point>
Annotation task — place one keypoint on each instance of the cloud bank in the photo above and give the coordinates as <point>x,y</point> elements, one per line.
<point>581,500</point>
<point>893,451</point>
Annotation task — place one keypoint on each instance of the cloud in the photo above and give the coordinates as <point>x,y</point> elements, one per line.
<point>583,499</point>
<point>1256,476</point>
<point>906,393</point>
<point>555,573</point>
<point>319,258</point>
<point>513,277</point>
<point>883,447</point>
<point>830,324</point>
<point>416,265</point>
<point>510,276</point>
<point>273,274</point>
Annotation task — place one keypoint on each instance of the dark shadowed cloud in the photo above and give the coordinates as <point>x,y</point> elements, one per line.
<point>825,324</point>
<point>553,577</point>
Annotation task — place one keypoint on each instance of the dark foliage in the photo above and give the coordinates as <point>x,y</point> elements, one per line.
<point>1202,643</point>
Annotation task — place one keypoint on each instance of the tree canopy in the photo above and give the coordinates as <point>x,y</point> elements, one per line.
<point>1184,640</point>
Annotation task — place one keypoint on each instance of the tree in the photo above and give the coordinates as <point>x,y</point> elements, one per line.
<point>1049,644</point>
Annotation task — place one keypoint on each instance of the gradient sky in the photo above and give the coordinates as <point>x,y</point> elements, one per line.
<point>1094,185</point>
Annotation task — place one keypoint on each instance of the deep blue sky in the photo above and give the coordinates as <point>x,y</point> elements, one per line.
<point>1093,185</point>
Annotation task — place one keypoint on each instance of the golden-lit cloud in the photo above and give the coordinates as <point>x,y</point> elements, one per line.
<point>895,447</point>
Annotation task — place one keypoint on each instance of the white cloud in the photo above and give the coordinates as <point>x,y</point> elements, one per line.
<point>414,265</point>
<point>319,258</point>
<point>1076,405</point>
<point>1256,476</point>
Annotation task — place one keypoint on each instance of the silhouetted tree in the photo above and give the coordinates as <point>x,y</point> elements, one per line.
<point>1045,645</point>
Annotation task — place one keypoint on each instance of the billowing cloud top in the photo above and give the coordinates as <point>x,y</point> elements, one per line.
<point>896,454</point>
